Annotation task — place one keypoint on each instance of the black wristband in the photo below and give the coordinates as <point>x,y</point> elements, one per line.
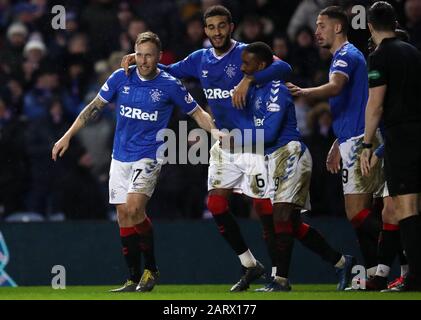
<point>367,145</point>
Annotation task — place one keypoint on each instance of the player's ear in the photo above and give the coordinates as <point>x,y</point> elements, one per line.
<point>232,27</point>
<point>262,65</point>
<point>370,27</point>
<point>338,28</point>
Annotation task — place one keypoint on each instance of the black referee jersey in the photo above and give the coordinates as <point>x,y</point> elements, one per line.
<point>397,65</point>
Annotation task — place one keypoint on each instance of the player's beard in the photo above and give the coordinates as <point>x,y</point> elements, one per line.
<point>225,45</point>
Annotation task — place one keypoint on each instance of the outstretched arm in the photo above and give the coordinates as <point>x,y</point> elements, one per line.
<point>90,112</point>
<point>336,83</point>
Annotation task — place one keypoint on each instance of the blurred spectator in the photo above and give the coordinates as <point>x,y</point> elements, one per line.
<point>306,15</point>
<point>58,43</point>
<point>46,178</point>
<point>11,56</point>
<point>78,44</point>
<point>413,21</point>
<point>41,17</point>
<point>72,22</point>
<point>97,137</point>
<point>128,39</point>
<point>25,12</point>
<point>35,58</point>
<point>13,162</point>
<point>102,25</point>
<point>209,3</point>
<point>37,100</point>
<point>64,186</point>
<point>114,61</point>
<point>251,30</point>
<point>304,56</point>
<point>5,13</point>
<point>321,74</point>
<point>163,18</point>
<point>34,51</point>
<point>193,38</point>
<point>77,78</point>
<point>124,15</point>
<point>280,47</point>
<point>12,93</point>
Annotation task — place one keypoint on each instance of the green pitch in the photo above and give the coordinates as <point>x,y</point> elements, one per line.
<point>197,292</point>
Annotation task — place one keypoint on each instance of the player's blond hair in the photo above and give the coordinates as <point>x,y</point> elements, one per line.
<point>149,36</point>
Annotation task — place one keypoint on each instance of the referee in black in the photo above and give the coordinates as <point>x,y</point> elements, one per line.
<point>395,97</point>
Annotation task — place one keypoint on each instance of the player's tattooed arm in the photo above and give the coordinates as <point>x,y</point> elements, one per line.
<point>90,112</point>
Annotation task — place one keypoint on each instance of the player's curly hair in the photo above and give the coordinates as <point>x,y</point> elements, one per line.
<point>217,10</point>
<point>261,50</point>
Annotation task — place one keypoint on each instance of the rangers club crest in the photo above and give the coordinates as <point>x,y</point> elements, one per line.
<point>230,70</point>
<point>155,95</point>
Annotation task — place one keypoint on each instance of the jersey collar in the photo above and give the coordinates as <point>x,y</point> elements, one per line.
<point>340,48</point>
<point>234,43</point>
<point>143,79</point>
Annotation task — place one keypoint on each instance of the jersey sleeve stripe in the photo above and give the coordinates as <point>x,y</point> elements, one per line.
<point>102,99</point>
<point>341,72</point>
<point>193,110</point>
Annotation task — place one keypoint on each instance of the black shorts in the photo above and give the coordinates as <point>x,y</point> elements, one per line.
<point>402,160</point>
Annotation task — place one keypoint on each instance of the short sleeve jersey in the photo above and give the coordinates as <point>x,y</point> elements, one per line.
<point>143,108</point>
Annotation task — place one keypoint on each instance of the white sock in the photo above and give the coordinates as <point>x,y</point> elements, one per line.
<point>404,270</point>
<point>341,263</point>
<point>382,270</point>
<point>273,272</point>
<point>247,259</point>
<point>371,272</point>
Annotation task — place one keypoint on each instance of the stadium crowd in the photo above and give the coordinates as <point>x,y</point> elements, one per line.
<point>47,76</point>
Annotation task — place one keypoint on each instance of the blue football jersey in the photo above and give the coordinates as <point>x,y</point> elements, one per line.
<point>143,108</point>
<point>218,76</point>
<point>274,112</point>
<point>348,108</point>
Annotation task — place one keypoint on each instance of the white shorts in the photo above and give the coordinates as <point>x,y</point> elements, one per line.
<point>132,177</point>
<point>289,171</point>
<point>353,181</point>
<point>243,172</point>
<point>382,188</point>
